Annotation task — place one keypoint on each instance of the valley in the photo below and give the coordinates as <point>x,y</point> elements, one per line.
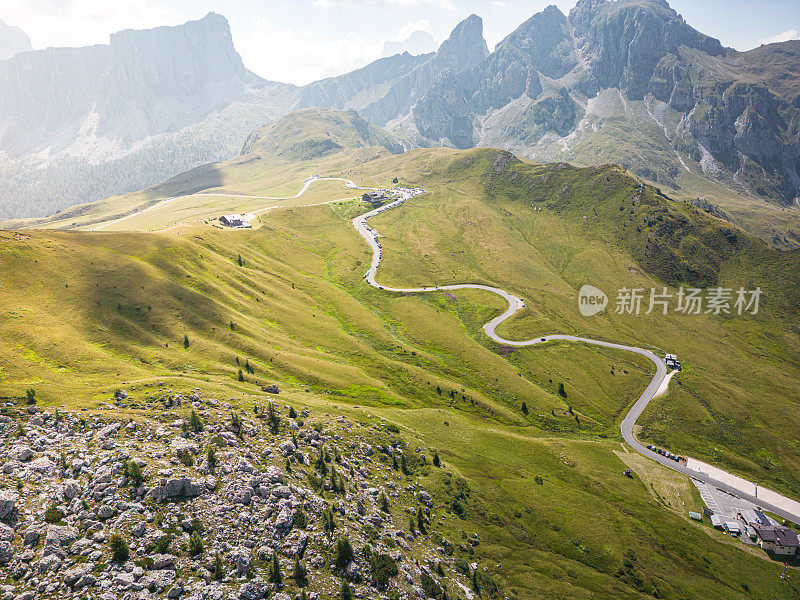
<point>289,297</point>
<point>491,321</point>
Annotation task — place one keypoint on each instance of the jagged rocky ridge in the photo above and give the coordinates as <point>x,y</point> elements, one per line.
<point>627,81</point>
<point>730,112</point>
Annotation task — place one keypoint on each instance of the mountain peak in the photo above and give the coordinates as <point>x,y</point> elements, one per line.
<point>465,44</point>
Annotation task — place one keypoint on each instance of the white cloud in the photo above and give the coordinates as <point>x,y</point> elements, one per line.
<point>410,27</point>
<point>83,22</point>
<point>789,34</point>
<point>264,51</point>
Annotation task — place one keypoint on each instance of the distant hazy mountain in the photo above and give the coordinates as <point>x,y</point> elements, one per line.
<point>12,41</point>
<point>626,82</point>
<point>387,88</point>
<point>78,124</point>
<point>419,42</point>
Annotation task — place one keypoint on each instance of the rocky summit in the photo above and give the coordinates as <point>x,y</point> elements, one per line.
<point>273,504</point>
<point>560,84</point>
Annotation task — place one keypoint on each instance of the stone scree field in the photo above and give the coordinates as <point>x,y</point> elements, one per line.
<point>218,504</point>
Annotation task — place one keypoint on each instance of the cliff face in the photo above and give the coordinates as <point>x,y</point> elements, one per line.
<point>12,41</point>
<point>546,92</point>
<point>387,88</point>
<point>464,49</point>
<point>143,83</point>
<point>81,124</point>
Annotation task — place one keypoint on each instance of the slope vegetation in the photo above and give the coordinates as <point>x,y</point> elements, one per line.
<point>85,313</point>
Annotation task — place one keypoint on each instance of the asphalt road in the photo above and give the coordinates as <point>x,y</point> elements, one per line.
<point>306,184</point>
<point>515,304</point>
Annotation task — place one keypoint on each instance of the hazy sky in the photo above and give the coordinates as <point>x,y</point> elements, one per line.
<point>301,40</point>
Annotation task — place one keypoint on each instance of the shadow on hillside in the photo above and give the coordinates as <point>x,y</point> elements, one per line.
<point>195,180</point>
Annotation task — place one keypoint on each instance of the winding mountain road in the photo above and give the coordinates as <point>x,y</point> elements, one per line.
<point>515,304</point>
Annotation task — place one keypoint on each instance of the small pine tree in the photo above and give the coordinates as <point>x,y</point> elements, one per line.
<point>236,423</point>
<point>420,521</point>
<point>119,548</point>
<point>334,483</point>
<point>436,461</point>
<point>211,457</point>
<point>292,414</point>
<point>344,554</point>
<point>300,520</point>
<point>320,465</point>
<point>219,568</point>
<point>241,376</point>
<point>195,422</point>
<point>196,546</point>
<point>328,522</point>
<point>272,418</point>
<point>30,396</point>
<point>275,576</point>
<point>411,527</point>
<point>300,574</point>
<point>135,474</point>
<point>185,341</point>
<point>240,261</point>
<point>561,391</point>
<point>346,594</point>
<point>438,390</point>
<point>383,502</point>
<point>403,465</point>
<point>395,464</point>
<point>52,514</point>
<point>524,409</point>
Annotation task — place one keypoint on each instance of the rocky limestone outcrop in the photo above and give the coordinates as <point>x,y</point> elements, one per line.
<point>307,485</point>
<point>637,50</point>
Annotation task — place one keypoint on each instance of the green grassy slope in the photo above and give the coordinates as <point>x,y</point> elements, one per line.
<point>84,313</point>
<point>315,132</point>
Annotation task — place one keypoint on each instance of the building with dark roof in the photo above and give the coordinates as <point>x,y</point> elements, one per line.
<point>374,198</point>
<point>786,541</point>
<point>779,540</point>
<point>234,221</point>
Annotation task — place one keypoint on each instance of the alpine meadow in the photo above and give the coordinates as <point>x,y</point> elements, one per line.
<point>510,320</point>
